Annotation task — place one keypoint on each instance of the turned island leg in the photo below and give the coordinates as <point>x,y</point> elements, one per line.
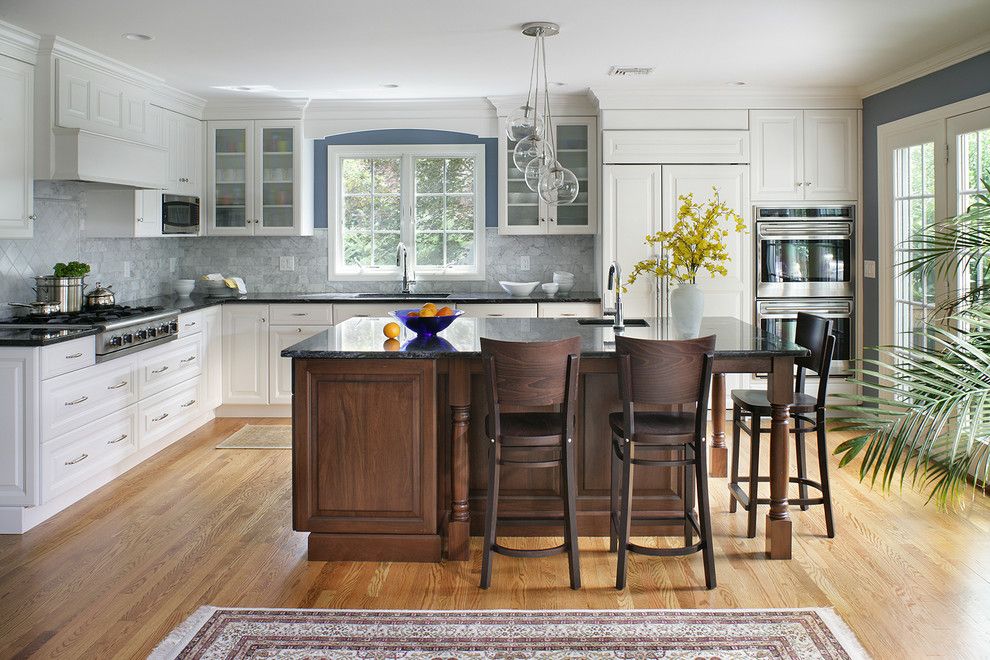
<point>719,460</point>
<point>781,395</point>
<point>459,521</point>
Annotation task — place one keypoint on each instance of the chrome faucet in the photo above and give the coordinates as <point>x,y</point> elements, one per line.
<point>402,259</point>
<point>615,284</point>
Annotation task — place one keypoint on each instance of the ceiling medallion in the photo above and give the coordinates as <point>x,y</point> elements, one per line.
<point>531,127</point>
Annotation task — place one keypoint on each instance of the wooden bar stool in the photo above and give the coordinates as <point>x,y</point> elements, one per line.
<point>815,334</point>
<point>531,375</point>
<point>662,373</point>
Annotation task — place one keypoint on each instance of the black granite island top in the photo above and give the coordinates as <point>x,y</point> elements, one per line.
<point>362,338</point>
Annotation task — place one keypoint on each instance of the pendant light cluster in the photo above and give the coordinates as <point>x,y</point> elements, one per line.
<point>531,127</point>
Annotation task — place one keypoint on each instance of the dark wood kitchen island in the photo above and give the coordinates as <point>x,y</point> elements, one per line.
<point>389,449</point>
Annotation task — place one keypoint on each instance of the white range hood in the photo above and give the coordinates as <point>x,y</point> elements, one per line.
<point>81,155</point>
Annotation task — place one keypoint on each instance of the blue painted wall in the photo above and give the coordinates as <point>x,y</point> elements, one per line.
<point>404,136</point>
<point>956,83</point>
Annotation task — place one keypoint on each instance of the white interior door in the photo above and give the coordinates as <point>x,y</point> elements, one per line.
<point>631,209</point>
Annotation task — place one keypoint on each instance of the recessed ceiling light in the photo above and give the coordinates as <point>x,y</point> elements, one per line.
<point>390,85</point>
<point>137,36</point>
<point>246,88</point>
<point>557,83</point>
<point>737,83</point>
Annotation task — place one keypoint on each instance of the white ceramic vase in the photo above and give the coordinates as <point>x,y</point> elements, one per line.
<point>687,306</point>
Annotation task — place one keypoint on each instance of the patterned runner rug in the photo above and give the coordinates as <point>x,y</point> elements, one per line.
<point>216,632</point>
<point>259,436</point>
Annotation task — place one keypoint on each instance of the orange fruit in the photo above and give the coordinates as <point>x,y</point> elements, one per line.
<point>391,345</point>
<point>412,315</point>
<point>427,312</point>
<point>391,330</point>
<point>429,306</point>
<point>445,311</point>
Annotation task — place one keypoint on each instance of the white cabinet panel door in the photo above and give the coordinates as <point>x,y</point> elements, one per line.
<point>16,157</point>
<point>831,155</point>
<point>495,310</point>
<point>19,445</point>
<point>212,337</point>
<point>280,368</point>
<point>630,210</point>
<point>778,161</point>
<point>245,354</point>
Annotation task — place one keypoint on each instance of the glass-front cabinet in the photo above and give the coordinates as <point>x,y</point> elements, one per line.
<point>523,212</point>
<point>256,185</point>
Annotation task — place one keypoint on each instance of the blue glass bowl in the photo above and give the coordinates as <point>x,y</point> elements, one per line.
<point>424,326</point>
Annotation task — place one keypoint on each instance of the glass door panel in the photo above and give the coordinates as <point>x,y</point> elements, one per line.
<point>523,205</point>
<point>573,153</point>
<point>231,178</point>
<point>277,178</point>
<point>969,154</point>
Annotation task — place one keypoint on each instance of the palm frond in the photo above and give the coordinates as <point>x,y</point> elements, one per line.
<point>928,424</point>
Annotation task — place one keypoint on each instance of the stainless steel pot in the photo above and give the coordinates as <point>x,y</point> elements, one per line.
<point>67,291</point>
<point>100,298</point>
<point>40,308</point>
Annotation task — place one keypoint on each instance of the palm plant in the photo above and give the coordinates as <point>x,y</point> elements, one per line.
<point>923,418</point>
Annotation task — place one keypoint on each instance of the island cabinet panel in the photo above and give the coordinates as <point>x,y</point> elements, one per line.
<point>365,453</point>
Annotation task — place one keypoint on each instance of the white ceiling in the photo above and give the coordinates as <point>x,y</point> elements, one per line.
<point>464,48</point>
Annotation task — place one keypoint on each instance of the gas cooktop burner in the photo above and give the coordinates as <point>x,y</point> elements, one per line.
<point>87,318</point>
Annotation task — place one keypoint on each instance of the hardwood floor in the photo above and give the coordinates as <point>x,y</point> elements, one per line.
<point>112,575</point>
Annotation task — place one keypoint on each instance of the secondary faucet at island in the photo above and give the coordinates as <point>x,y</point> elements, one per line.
<point>615,284</point>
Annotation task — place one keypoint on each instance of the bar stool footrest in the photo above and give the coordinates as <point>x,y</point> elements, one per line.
<point>536,552</point>
<point>665,552</point>
<point>741,496</point>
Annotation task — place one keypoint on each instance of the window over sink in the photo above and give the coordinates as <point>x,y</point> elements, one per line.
<point>429,197</point>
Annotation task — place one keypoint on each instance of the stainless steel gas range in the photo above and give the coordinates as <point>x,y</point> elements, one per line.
<point>123,330</point>
<point>805,263</point>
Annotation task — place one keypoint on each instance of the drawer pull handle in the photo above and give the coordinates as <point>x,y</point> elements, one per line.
<point>78,460</point>
<point>190,324</point>
<point>73,356</point>
<point>119,385</point>
<point>189,359</point>
<point>187,403</point>
<point>158,371</point>
<point>158,419</point>
<point>77,401</point>
<point>496,315</point>
<point>120,439</point>
<point>300,314</point>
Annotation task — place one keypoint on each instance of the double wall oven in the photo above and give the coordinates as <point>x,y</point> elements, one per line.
<point>804,263</point>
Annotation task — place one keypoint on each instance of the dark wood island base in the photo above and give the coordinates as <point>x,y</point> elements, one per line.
<point>389,447</point>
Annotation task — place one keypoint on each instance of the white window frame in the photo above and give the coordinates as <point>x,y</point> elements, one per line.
<point>408,154</point>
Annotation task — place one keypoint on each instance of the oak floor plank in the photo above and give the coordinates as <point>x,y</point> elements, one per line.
<point>194,525</point>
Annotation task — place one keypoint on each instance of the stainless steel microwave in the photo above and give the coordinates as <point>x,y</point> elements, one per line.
<point>180,214</point>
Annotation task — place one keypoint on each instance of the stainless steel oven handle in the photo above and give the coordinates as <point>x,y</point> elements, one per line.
<point>839,230</point>
<point>791,309</point>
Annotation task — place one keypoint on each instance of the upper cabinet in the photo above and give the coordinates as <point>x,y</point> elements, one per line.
<point>521,211</point>
<point>259,179</point>
<point>805,155</point>
<point>16,136</point>
<point>182,136</point>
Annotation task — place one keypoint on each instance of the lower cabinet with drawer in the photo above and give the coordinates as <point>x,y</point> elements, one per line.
<point>169,410</point>
<point>71,459</point>
<point>563,310</point>
<point>169,364</point>
<point>80,397</point>
<point>496,310</point>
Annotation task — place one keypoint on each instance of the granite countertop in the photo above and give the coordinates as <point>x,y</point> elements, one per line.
<point>359,338</point>
<point>42,337</point>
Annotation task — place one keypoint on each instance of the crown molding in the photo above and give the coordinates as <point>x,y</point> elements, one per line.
<point>727,98</point>
<point>180,101</point>
<point>475,116</point>
<point>945,59</point>
<point>563,105</point>
<point>255,108</point>
<point>55,46</point>
<point>18,43</point>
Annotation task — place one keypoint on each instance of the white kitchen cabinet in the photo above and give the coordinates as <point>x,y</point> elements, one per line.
<point>212,337</point>
<point>122,213</point>
<point>345,311</point>
<point>77,398</point>
<point>182,136</point>
<point>67,356</point>
<point>245,354</point>
<point>521,210</point>
<point>17,155</point>
<point>563,310</point>
<point>631,209</point>
<point>19,442</point>
<point>302,314</point>
<point>500,310</point>
<point>280,368</point>
<point>805,155</point>
<point>259,179</point>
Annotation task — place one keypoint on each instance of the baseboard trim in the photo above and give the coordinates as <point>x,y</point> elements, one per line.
<point>18,520</point>
<point>254,410</point>
<point>374,547</point>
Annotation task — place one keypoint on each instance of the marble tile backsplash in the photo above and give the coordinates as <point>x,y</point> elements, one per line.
<point>61,210</point>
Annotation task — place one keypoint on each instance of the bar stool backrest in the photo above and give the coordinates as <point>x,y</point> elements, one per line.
<point>664,372</point>
<point>531,374</point>
<point>814,333</point>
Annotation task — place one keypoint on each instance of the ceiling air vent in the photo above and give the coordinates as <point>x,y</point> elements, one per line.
<point>626,71</point>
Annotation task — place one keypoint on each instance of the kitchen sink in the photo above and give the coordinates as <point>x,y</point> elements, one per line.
<point>639,323</point>
<point>425,296</point>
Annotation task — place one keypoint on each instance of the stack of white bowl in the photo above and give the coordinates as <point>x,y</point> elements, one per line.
<point>564,280</point>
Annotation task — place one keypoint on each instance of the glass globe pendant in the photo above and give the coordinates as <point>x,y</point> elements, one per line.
<point>530,148</point>
<point>523,123</point>
<point>558,185</point>
<point>537,169</point>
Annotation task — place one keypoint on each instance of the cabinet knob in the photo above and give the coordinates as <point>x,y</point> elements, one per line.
<point>807,183</point>
<point>140,219</point>
<point>32,217</point>
<point>798,183</point>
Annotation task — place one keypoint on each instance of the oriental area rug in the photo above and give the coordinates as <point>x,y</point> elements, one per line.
<point>259,436</point>
<point>805,634</point>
